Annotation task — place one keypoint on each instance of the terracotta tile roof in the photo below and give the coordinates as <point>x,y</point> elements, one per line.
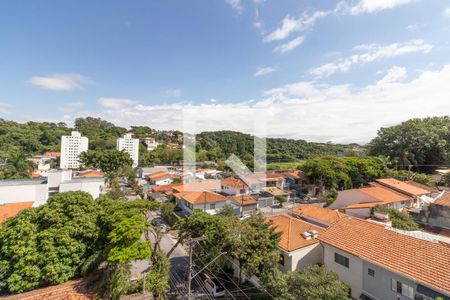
<point>234,183</point>
<point>165,188</point>
<point>296,174</point>
<point>403,187</point>
<point>91,173</point>
<point>319,213</point>
<point>49,153</point>
<point>158,176</point>
<point>443,200</point>
<point>383,194</point>
<point>243,200</point>
<point>205,185</point>
<point>201,197</point>
<point>11,209</point>
<point>364,205</point>
<point>291,229</point>
<point>273,176</point>
<point>424,261</point>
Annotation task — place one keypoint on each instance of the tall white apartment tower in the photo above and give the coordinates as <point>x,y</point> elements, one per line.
<point>130,146</point>
<point>71,148</point>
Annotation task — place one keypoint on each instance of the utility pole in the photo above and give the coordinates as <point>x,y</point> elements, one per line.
<point>191,243</point>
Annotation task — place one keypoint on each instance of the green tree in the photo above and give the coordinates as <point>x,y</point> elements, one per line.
<point>399,219</point>
<point>109,161</point>
<point>309,283</point>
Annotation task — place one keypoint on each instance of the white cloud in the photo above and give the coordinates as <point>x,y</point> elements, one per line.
<point>173,93</point>
<point>262,71</point>
<point>339,113</point>
<point>393,75</point>
<point>447,12</point>
<point>290,25</point>
<point>71,107</point>
<point>60,82</point>
<point>373,52</point>
<point>235,5</point>
<point>4,108</point>
<point>291,45</point>
<point>371,6</point>
<point>116,103</point>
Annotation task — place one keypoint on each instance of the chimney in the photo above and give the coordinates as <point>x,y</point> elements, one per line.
<point>306,235</point>
<point>313,233</point>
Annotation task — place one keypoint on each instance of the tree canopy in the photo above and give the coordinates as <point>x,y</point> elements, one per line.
<point>109,161</point>
<point>415,142</point>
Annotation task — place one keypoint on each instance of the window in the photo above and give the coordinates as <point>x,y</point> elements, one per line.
<point>402,289</point>
<point>371,272</point>
<point>281,260</point>
<point>212,206</point>
<point>342,260</point>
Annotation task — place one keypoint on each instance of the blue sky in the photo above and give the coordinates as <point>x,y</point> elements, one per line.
<point>321,70</point>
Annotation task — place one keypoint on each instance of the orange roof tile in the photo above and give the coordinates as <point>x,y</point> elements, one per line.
<point>158,175</point>
<point>234,183</point>
<point>319,213</point>
<point>243,200</point>
<point>364,205</point>
<point>91,173</point>
<point>383,194</point>
<point>11,209</point>
<point>297,174</point>
<point>49,153</point>
<point>200,197</point>
<point>165,188</point>
<point>291,229</point>
<point>443,200</point>
<point>205,185</point>
<point>424,261</point>
<point>403,187</point>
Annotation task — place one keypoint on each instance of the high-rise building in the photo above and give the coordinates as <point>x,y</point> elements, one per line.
<point>130,146</point>
<point>71,148</point>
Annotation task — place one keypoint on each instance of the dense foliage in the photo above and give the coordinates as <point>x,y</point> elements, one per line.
<point>109,161</point>
<point>253,243</point>
<point>71,235</point>
<point>334,173</point>
<point>219,145</point>
<point>415,142</point>
<point>309,283</point>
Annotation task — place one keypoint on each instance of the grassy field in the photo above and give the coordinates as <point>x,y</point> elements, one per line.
<point>284,165</point>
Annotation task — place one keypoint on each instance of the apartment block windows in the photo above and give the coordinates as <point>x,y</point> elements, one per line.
<point>371,272</point>
<point>342,260</point>
<point>402,289</point>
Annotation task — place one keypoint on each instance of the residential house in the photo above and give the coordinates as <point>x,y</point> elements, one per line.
<point>294,179</point>
<point>246,204</point>
<point>359,202</point>
<point>418,192</point>
<point>160,178</point>
<point>273,179</point>
<point>439,211</point>
<point>379,262</point>
<point>317,215</point>
<point>299,244</point>
<point>278,193</point>
<point>234,186</point>
<point>143,172</point>
<point>207,201</point>
<point>151,143</point>
<point>16,195</point>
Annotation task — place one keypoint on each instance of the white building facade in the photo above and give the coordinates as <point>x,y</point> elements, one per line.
<point>71,148</point>
<point>131,146</point>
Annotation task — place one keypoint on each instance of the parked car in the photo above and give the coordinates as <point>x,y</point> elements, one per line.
<point>214,287</point>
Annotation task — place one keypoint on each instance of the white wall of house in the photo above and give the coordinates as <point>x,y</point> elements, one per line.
<point>211,208</point>
<point>352,276</point>
<point>26,192</point>
<point>91,186</point>
<point>164,181</point>
<point>309,255</point>
<point>234,191</point>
